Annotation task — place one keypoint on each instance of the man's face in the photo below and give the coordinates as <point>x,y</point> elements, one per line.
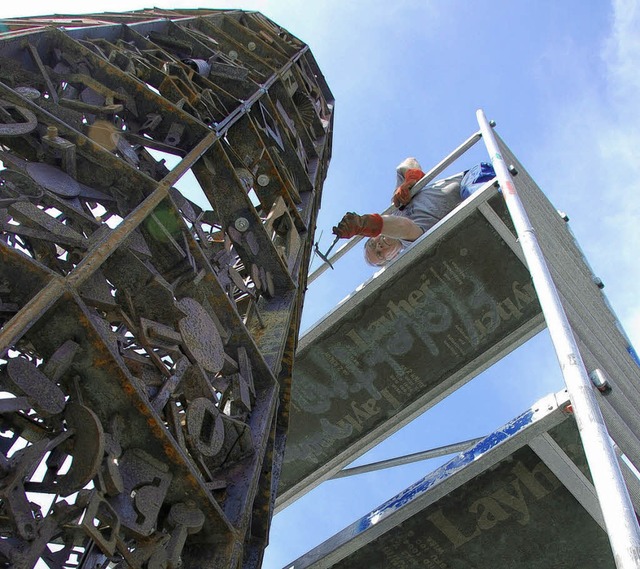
<point>380,250</point>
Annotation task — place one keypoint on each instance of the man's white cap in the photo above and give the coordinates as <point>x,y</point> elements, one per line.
<point>401,169</point>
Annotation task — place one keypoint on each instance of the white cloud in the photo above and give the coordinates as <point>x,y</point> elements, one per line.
<point>622,49</point>
<point>618,150</point>
<point>590,159</point>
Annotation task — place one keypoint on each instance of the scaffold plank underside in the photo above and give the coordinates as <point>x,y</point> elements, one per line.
<point>522,497</point>
<point>451,305</point>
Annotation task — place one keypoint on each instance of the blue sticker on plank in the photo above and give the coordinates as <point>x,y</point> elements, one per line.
<point>634,355</point>
<point>454,465</point>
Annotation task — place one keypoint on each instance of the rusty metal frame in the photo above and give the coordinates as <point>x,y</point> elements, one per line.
<point>148,327</point>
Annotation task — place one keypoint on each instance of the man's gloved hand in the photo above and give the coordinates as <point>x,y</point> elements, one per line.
<point>368,225</point>
<point>402,195</point>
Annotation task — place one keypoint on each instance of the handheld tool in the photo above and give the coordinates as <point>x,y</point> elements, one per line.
<point>325,256</point>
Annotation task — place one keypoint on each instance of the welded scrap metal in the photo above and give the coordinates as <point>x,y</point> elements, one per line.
<point>170,42</point>
<point>81,439</point>
<point>239,216</point>
<point>170,385</point>
<point>7,309</point>
<point>131,488</point>
<point>280,225</point>
<point>60,361</point>
<point>141,289</point>
<point>165,329</point>
<point>160,551</point>
<point>83,93</point>
<point>88,107</point>
<point>153,351</point>
<point>109,480</point>
<point>146,481</point>
<point>174,135</point>
<point>95,291</point>
<point>158,335</point>
<point>53,179</point>
<point>148,164</point>
<point>33,222</point>
<point>22,464</point>
<point>20,467</point>
<point>179,89</point>
<point>185,519</point>
<point>29,93</point>
<point>53,92</point>
<point>196,220</point>
<point>202,341</point>
<point>13,404</point>
<point>217,437</point>
<point>52,528</point>
<point>261,277</point>
<point>237,388</point>
<point>224,263</point>
<point>205,427</point>
<point>16,186</point>
<point>152,552</point>
<point>47,398</point>
<point>187,208</point>
<point>100,521</point>
<point>139,99</point>
<point>11,125</point>
<point>175,327</point>
<point>86,448</point>
<point>244,391</point>
<point>228,71</point>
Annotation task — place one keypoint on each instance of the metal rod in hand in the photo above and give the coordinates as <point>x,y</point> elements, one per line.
<point>325,256</point>
<point>617,509</point>
<point>329,260</point>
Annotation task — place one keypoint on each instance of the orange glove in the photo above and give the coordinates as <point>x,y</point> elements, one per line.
<point>402,195</point>
<point>368,225</point>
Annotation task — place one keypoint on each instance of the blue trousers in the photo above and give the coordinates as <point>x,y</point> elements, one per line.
<point>475,178</point>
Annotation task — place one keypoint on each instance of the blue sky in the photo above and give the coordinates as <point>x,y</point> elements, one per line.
<point>561,80</point>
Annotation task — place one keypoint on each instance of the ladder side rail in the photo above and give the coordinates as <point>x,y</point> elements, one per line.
<point>617,509</point>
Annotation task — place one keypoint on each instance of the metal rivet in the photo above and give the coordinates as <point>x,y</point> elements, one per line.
<point>241,224</point>
<point>600,380</point>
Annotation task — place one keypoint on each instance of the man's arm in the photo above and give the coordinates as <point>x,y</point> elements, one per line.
<point>373,224</point>
<point>400,228</point>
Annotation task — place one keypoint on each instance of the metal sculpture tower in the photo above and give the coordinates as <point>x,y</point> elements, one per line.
<point>162,173</point>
